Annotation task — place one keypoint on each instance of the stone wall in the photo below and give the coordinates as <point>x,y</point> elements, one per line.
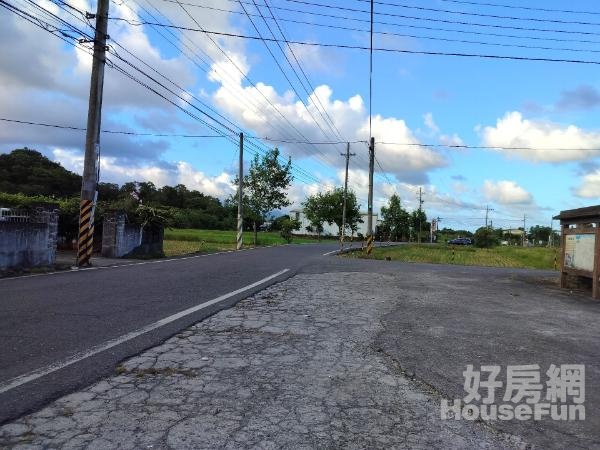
<point>30,242</point>
<point>121,239</point>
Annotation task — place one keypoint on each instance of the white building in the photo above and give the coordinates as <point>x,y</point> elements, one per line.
<point>330,230</point>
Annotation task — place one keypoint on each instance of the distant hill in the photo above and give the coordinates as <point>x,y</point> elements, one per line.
<point>29,172</point>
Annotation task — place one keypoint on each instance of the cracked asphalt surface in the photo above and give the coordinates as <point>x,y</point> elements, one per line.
<point>346,354</point>
<point>291,367</point>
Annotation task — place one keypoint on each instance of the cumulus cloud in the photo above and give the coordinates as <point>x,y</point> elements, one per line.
<point>549,140</point>
<point>430,123</point>
<point>450,140</point>
<point>316,59</point>
<point>284,117</point>
<point>506,192</point>
<point>590,185</point>
<point>159,173</point>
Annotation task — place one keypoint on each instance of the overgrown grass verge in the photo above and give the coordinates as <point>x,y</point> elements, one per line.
<point>516,257</point>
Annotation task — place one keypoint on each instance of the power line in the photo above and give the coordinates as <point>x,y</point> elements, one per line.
<point>384,49</point>
<point>44,25</point>
<point>401,25</point>
<point>416,36</point>
<point>427,19</point>
<point>472,14</point>
<point>486,147</point>
<point>528,8</point>
<point>134,133</point>
<point>291,49</point>
<point>282,71</point>
<point>248,102</point>
<point>129,133</point>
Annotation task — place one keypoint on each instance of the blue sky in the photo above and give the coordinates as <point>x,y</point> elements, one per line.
<point>546,109</point>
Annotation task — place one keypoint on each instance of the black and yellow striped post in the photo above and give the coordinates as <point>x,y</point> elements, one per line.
<point>369,244</point>
<point>85,242</point>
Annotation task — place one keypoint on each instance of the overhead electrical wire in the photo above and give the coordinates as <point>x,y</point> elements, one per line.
<point>387,50</point>
<point>473,14</point>
<point>484,147</point>
<point>528,8</point>
<point>46,26</point>
<point>413,36</point>
<point>393,24</point>
<point>429,19</point>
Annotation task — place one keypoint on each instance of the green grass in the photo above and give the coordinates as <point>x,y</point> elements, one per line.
<point>184,241</point>
<point>517,257</point>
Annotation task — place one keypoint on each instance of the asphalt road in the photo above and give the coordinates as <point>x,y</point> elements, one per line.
<point>50,324</point>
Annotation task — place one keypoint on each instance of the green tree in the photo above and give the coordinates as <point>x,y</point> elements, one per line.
<point>396,220</point>
<point>486,237</point>
<point>27,171</point>
<point>288,225</point>
<point>419,224</point>
<point>328,208</point>
<point>540,233</point>
<point>265,187</point>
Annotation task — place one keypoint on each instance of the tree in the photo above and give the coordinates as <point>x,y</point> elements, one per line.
<point>265,186</point>
<point>419,223</point>
<point>540,233</point>
<point>485,237</point>
<point>29,172</point>
<point>328,207</point>
<point>287,226</point>
<point>396,220</point>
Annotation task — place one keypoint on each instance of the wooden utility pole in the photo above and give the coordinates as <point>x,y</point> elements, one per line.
<point>347,155</point>
<point>91,165</point>
<point>240,215</point>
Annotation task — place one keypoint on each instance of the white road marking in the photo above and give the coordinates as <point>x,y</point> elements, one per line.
<point>330,253</point>
<point>39,373</point>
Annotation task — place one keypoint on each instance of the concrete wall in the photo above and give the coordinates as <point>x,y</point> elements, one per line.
<point>122,239</point>
<point>31,243</point>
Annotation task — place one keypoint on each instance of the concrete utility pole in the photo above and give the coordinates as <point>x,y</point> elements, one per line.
<point>240,216</point>
<point>347,155</point>
<point>370,237</point>
<point>524,230</point>
<point>421,201</point>
<point>487,210</point>
<point>370,200</point>
<point>89,183</point>
<point>431,231</point>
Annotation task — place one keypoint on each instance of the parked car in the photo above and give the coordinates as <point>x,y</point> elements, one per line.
<point>461,241</point>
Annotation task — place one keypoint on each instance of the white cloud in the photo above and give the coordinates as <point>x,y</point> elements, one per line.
<point>430,123</point>
<point>513,130</point>
<point>164,174</point>
<point>590,185</point>
<point>453,139</point>
<point>506,192</point>
<point>349,117</point>
<point>317,59</point>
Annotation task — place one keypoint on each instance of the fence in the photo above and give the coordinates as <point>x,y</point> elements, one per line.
<point>28,237</point>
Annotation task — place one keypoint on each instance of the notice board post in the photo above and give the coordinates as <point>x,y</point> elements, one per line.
<point>580,246</point>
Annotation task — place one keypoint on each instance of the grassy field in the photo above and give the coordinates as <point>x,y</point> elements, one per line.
<point>518,257</point>
<point>184,241</point>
